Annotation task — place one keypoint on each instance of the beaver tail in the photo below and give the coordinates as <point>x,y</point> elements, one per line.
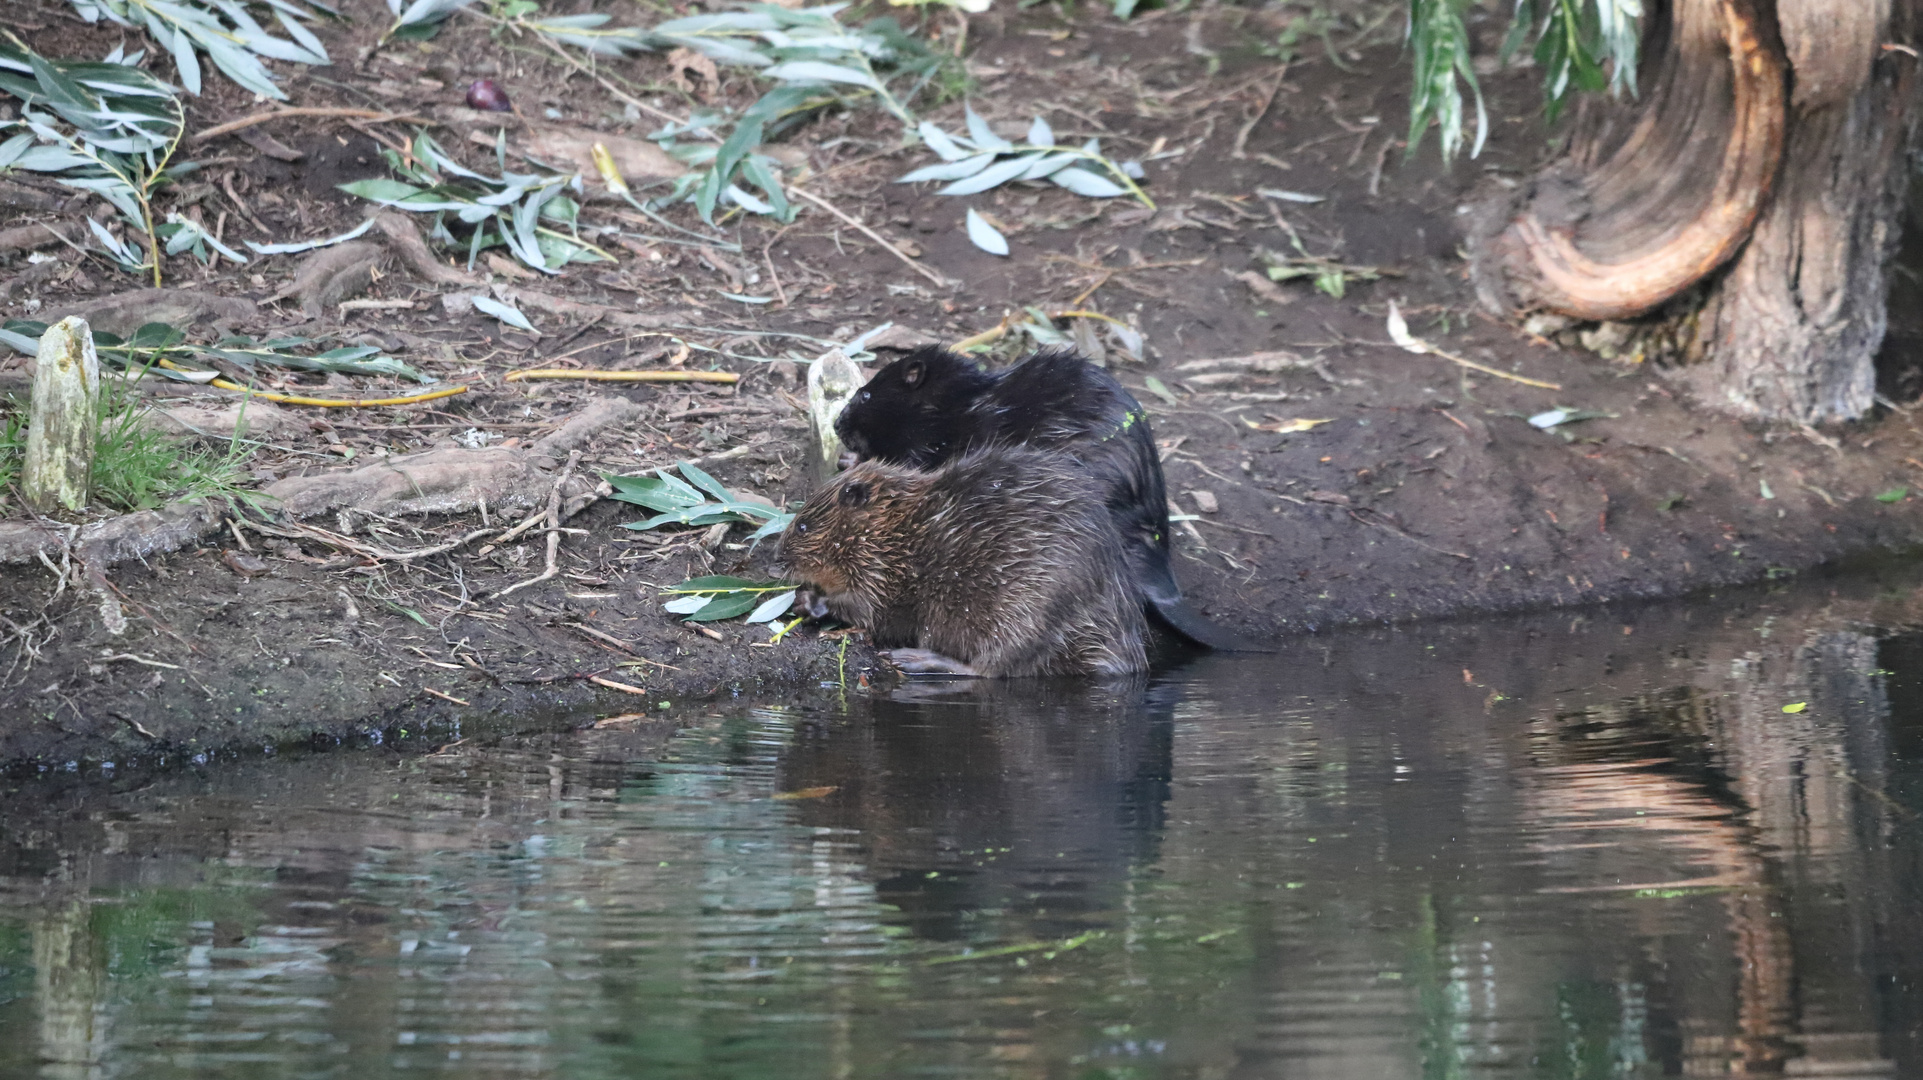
<point>1175,613</point>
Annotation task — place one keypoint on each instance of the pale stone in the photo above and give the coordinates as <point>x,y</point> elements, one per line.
<point>832,380</point>
<point>64,422</point>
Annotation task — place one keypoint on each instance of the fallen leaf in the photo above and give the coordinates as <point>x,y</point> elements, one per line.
<point>1893,495</point>
<point>1161,390</point>
<point>1333,498</point>
<point>1286,427</point>
<point>1796,706</point>
<point>985,236</point>
<point>507,313</point>
<point>1399,331</point>
<point>244,565</point>
<point>508,268</point>
<point>1268,291</point>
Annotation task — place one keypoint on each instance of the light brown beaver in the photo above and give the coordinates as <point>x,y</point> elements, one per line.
<point>1003,562</point>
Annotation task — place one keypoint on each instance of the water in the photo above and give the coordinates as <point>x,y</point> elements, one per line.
<point>1572,846</point>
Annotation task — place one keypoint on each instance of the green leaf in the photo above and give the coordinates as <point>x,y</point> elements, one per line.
<point>705,482</point>
<point>507,313</point>
<point>687,605</point>
<point>1893,495</point>
<point>716,583</point>
<point>1082,182</point>
<point>951,170</point>
<point>773,608</point>
<point>985,236</point>
<point>382,190</point>
<point>992,177</point>
<point>817,71</point>
<point>726,606</point>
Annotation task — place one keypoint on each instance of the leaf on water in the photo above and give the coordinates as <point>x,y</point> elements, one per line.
<point>773,608</point>
<point>812,792</point>
<point>507,313</point>
<point>984,235</point>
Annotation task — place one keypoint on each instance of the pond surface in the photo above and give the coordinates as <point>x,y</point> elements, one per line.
<point>1602,844</point>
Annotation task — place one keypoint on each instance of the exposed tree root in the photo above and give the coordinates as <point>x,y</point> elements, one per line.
<point>435,482</point>
<point>1616,238</point>
<point>450,480</point>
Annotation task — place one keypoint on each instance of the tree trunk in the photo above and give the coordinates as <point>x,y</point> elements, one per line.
<point>1766,167</point>
<point>1792,330</point>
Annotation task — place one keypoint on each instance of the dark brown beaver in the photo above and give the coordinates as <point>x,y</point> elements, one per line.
<point>932,405</point>
<point>1002,562</point>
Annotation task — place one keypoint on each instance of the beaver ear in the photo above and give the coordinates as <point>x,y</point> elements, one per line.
<point>855,494</point>
<point>911,373</point>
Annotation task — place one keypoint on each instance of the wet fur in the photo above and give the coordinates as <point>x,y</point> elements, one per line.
<point>932,405</point>
<point>1005,559</point>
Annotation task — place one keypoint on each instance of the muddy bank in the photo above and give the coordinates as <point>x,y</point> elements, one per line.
<point>1330,478</point>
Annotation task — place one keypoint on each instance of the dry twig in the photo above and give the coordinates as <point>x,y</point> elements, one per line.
<point>940,282</point>
<point>373,115</point>
<point>554,528</point>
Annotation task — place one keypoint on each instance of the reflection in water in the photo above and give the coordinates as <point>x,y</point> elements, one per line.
<point>1544,847</point>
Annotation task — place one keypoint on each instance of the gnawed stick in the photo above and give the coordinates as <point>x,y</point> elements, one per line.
<point>940,282</point>
<point>554,528</point>
<point>591,375</point>
<point>297,530</point>
<point>339,113</point>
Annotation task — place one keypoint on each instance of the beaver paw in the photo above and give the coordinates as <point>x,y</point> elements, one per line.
<point>925,662</point>
<point>812,604</point>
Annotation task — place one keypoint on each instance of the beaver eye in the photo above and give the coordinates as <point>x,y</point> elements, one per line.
<point>801,526</point>
<point>865,395</point>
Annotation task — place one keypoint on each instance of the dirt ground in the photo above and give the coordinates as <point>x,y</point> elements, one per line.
<point>1426,493</point>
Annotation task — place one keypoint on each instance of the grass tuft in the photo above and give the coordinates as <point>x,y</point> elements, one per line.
<point>135,467</point>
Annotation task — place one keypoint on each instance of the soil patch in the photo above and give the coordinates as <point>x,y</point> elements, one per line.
<point>1423,489</point>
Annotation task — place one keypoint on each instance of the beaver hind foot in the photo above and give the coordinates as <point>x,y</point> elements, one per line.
<point>927,662</point>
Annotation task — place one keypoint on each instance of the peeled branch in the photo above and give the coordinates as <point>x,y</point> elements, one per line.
<point>58,466</point>
<point>832,380</point>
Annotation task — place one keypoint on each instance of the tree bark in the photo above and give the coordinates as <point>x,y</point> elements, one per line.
<point>1766,168</point>
<point>1614,231</point>
<point>1792,330</point>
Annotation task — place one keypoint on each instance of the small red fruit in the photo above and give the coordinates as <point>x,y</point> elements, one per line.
<point>487,95</point>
